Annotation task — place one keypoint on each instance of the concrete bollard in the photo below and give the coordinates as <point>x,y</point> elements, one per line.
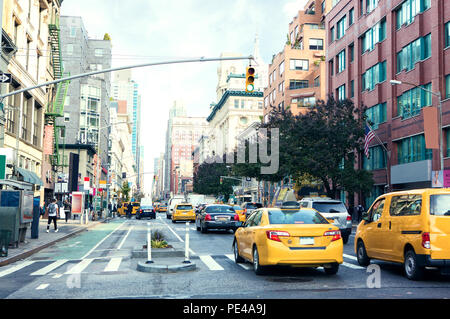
<point>186,247</point>
<point>149,245</point>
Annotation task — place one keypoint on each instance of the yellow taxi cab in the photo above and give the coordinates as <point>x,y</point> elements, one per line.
<point>409,227</point>
<point>240,211</point>
<point>294,237</point>
<point>136,207</point>
<point>122,209</point>
<point>162,208</point>
<point>183,212</point>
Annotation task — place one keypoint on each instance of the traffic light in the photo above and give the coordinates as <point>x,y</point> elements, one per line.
<point>221,181</point>
<point>250,79</point>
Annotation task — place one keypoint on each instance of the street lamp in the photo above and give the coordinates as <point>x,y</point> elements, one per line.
<point>438,94</point>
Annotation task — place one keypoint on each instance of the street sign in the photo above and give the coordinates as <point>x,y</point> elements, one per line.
<point>5,78</point>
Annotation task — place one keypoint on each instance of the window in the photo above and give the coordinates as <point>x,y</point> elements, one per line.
<point>371,5</point>
<point>323,6</point>
<point>351,49</point>
<point>447,34</point>
<point>406,205</point>
<point>281,68</point>
<point>62,132</point>
<point>377,114</point>
<point>376,160</point>
<point>236,104</point>
<point>374,76</point>
<point>305,101</point>
<point>361,8</point>
<point>73,32</point>
<point>317,81</point>
<point>66,116</point>
<point>312,26</point>
<point>412,149</point>
<point>448,142</point>
<point>315,44</point>
<point>332,34</point>
<point>331,65</point>
<point>98,52</point>
<point>296,64</point>
<point>340,28</point>
<point>411,101</point>
<point>340,92</point>
<point>406,13</point>
<point>414,52</point>
<point>298,84</point>
<point>341,61</point>
<point>281,87</point>
<point>376,210</point>
<point>69,49</point>
<point>351,16</point>
<point>373,36</point>
<point>243,103</point>
<point>352,88</point>
<point>447,86</point>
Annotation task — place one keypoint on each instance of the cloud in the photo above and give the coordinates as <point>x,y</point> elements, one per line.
<point>291,8</point>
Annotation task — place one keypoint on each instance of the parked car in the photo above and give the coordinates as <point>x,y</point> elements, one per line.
<point>293,237</point>
<point>249,207</point>
<point>331,209</point>
<point>183,212</point>
<point>409,227</point>
<point>217,216</point>
<point>146,211</point>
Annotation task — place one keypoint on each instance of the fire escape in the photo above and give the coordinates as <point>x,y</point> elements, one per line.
<point>55,107</point>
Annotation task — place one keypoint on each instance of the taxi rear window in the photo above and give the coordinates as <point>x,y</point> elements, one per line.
<point>184,207</point>
<point>136,204</point>
<point>440,205</point>
<point>254,205</point>
<point>295,216</point>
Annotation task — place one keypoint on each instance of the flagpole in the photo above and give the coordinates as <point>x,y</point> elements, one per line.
<point>387,157</point>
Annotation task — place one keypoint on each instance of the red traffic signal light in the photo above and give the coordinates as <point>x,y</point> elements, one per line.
<point>250,79</point>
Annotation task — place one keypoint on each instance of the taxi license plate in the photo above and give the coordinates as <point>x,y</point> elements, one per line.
<point>306,240</point>
<point>222,219</point>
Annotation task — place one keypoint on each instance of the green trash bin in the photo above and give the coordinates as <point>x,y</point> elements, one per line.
<point>5,239</point>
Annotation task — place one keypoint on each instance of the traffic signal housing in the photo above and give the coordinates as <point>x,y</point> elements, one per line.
<point>250,79</point>
<point>221,181</point>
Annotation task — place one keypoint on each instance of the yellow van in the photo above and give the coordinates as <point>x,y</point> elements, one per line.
<point>408,227</point>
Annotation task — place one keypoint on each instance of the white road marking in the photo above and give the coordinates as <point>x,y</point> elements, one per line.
<point>101,241</point>
<point>113,264</point>
<point>57,276</point>
<point>245,266</point>
<point>125,238</point>
<point>351,266</point>
<point>43,286</point>
<point>78,268</point>
<point>176,235</point>
<point>350,257</point>
<point>49,268</point>
<point>15,268</point>
<point>210,262</point>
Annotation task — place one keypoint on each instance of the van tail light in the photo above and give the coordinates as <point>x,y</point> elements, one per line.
<point>236,217</point>
<point>426,240</point>
<point>276,234</point>
<point>335,233</point>
<point>349,218</point>
<point>207,217</point>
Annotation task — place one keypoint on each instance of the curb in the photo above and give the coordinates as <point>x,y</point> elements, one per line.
<point>155,268</point>
<point>37,249</point>
<point>157,252</point>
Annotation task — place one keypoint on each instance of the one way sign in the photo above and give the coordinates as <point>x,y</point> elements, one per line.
<point>5,78</point>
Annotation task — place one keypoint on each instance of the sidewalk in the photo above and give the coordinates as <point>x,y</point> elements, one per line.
<point>31,246</point>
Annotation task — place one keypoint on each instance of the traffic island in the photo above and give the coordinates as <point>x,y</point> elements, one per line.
<point>165,267</point>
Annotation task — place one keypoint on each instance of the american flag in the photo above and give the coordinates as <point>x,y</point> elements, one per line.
<point>369,135</point>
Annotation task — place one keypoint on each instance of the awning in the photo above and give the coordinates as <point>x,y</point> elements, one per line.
<point>29,176</point>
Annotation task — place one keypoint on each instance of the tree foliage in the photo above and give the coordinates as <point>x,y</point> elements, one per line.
<point>207,180</point>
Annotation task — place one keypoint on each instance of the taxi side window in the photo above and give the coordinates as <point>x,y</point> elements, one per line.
<point>406,205</point>
<point>249,221</point>
<point>305,204</point>
<point>376,210</point>
<point>257,218</point>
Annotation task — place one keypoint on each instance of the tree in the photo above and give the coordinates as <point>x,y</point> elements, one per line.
<point>107,37</point>
<point>126,191</point>
<point>207,180</point>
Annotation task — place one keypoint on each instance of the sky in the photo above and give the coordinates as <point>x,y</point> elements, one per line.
<point>145,31</point>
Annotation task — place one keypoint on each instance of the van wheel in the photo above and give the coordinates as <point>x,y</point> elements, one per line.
<point>412,270</point>
<point>361,254</point>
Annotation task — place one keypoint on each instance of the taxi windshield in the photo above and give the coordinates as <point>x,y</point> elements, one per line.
<point>295,216</point>
<point>184,207</point>
<point>440,205</point>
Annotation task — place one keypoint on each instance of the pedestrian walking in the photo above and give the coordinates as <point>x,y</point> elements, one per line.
<point>129,210</point>
<point>52,210</point>
<point>67,209</point>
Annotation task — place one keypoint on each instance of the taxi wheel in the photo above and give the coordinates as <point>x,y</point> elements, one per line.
<point>259,270</point>
<point>361,254</point>
<point>173,221</point>
<point>332,270</point>
<point>238,259</point>
<point>412,270</point>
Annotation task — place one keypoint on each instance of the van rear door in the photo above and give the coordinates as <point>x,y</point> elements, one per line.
<point>440,226</point>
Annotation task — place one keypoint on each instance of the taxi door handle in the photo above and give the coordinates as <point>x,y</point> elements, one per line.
<point>379,225</point>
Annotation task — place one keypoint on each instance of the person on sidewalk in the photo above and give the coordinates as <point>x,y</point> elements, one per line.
<point>52,210</point>
<point>129,210</point>
<point>67,209</point>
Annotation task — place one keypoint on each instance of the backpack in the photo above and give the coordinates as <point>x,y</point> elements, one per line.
<point>52,209</point>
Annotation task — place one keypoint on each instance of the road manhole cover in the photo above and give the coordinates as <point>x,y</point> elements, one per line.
<point>289,279</point>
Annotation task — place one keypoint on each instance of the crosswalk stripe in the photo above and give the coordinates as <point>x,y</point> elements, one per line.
<point>351,266</point>
<point>43,286</point>
<point>350,257</point>
<point>15,268</point>
<point>245,266</point>
<point>113,264</point>
<point>78,268</point>
<point>49,268</point>
<point>210,262</point>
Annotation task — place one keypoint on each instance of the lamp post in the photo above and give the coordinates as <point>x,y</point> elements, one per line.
<point>438,94</point>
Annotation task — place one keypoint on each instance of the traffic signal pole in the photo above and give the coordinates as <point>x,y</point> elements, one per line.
<point>73,77</point>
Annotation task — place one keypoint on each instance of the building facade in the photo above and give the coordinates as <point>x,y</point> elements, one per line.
<point>373,42</point>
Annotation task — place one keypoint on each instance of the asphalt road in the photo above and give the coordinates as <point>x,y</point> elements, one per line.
<point>98,264</point>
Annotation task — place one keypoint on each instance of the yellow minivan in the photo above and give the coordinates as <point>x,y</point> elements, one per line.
<point>408,227</point>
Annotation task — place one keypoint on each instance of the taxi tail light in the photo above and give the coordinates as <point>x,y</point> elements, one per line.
<point>276,234</point>
<point>207,217</point>
<point>426,240</point>
<point>349,218</point>
<point>335,233</point>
